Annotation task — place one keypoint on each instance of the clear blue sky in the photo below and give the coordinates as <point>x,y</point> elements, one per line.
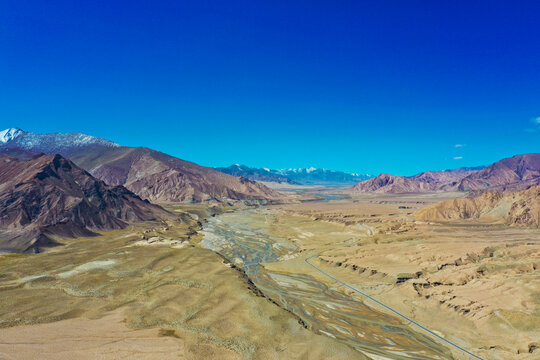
<point>364,86</point>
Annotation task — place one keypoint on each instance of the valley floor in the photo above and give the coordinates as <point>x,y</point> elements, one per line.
<point>144,293</point>
<point>154,292</point>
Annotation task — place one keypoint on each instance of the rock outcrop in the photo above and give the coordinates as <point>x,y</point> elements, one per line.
<point>519,208</point>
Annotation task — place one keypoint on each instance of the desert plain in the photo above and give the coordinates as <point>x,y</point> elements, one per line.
<point>267,288</point>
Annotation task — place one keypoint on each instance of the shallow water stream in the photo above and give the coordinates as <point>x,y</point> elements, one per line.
<point>324,310</point>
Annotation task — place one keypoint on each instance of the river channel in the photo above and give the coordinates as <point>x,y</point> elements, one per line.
<point>324,310</point>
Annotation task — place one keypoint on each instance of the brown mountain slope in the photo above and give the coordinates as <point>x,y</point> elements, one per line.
<point>515,173</point>
<point>428,181</point>
<point>159,177</point>
<point>150,174</point>
<point>443,178</point>
<point>50,195</point>
<point>519,208</point>
<point>390,184</point>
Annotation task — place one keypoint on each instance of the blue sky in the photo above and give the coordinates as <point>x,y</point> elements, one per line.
<point>378,86</point>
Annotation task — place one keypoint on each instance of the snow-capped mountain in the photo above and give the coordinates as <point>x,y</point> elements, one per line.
<point>49,143</point>
<point>299,170</point>
<point>306,176</point>
<point>254,174</point>
<point>312,175</point>
<point>9,134</point>
<point>151,174</point>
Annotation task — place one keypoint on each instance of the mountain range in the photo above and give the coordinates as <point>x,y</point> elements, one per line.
<point>87,184</point>
<point>150,174</point>
<point>300,176</point>
<point>49,196</point>
<point>162,178</point>
<point>512,174</point>
<point>255,174</point>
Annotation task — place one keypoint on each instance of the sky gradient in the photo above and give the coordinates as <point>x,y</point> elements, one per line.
<point>379,86</point>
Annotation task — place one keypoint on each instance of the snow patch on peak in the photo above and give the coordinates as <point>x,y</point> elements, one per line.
<point>9,134</point>
<point>49,143</point>
<point>78,139</point>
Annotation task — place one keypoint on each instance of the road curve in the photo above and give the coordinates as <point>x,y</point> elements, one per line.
<point>392,310</point>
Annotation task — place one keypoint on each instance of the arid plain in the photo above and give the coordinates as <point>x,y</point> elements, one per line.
<point>146,292</point>
<point>473,282</point>
<point>154,292</point>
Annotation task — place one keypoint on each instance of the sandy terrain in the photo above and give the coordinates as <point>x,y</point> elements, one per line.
<point>107,297</point>
<point>105,338</point>
<point>153,292</point>
<point>475,283</point>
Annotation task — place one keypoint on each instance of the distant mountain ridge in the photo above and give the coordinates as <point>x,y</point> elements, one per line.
<point>511,174</point>
<point>386,183</point>
<point>62,143</point>
<point>445,177</point>
<point>150,174</point>
<point>466,168</point>
<point>302,176</point>
<point>255,174</point>
<point>428,181</point>
<point>49,196</point>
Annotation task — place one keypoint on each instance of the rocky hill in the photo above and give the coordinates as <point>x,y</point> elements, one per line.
<point>150,174</point>
<point>49,196</point>
<point>518,208</point>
